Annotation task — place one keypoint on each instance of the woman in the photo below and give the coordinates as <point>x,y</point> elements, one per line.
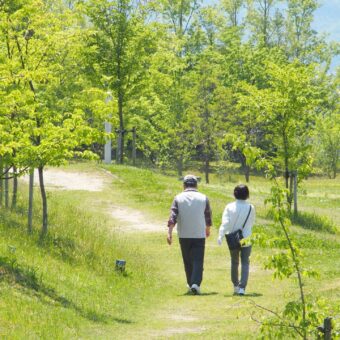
<point>238,215</point>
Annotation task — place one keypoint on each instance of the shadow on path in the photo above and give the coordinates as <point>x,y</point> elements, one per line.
<point>25,277</point>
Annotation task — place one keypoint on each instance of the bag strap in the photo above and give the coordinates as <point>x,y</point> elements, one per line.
<point>246,218</point>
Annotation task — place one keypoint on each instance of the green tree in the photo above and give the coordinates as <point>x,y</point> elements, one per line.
<point>288,108</point>
<point>43,76</point>
<point>328,141</point>
<point>178,16</point>
<point>260,20</point>
<point>206,97</point>
<point>301,39</point>
<point>119,46</point>
<point>233,9</point>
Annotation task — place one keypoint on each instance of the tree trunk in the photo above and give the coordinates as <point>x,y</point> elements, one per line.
<point>6,188</point>
<point>180,166</point>
<point>290,192</point>
<point>121,130</point>
<point>15,188</point>
<point>286,157</point>
<point>247,173</point>
<point>120,106</point>
<point>287,178</point>
<point>295,194</point>
<point>134,138</point>
<point>206,169</point>
<point>30,201</point>
<point>1,180</point>
<point>44,200</point>
<point>246,168</point>
<point>121,160</point>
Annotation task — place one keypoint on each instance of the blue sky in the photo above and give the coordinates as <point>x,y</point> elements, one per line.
<point>327,20</point>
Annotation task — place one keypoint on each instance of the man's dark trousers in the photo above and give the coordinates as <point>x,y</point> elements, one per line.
<point>193,257</point>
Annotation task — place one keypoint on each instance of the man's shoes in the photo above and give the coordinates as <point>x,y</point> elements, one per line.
<point>195,289</point>
<point>189,289</point>
<point>241,291</point>
<point>236,290</point>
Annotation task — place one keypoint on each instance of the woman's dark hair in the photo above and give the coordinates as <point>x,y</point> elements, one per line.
<point>241,192</point>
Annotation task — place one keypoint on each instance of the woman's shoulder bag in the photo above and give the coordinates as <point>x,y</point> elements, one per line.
<point>234,238</point>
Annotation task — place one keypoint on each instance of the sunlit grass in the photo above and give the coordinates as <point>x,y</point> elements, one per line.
<point>66,286</point>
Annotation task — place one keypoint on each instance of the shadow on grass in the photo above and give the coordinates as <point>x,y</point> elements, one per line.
<point>202,294</point>
<point>243,296</point>
<point>313,221</point>
<point>10,220</point>
<point>253,295</point>
<point>64,247</point>
<point>26,277</point>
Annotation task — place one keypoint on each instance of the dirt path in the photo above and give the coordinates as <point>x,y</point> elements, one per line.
<point>129,219</point>
<point>66,180</point>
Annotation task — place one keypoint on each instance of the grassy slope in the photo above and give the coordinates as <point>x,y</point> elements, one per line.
<point>67,288</point>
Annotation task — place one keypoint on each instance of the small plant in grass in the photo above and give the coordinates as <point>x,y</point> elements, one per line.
<point>300,317</point>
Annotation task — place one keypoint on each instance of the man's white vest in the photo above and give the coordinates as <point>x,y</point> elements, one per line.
<point>191,220</point>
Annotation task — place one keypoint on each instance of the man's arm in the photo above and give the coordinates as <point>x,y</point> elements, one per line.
<point>208,219</point>
<point>169,237</point>
<point>172,220</point>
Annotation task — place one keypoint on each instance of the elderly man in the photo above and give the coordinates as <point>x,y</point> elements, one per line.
<point>191,211</point>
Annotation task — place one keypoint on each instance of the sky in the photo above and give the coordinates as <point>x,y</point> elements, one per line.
<point>326,20</point>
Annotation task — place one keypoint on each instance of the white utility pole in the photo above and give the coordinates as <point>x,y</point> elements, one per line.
<point>108,129</point>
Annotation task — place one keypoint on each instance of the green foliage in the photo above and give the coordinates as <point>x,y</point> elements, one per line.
<point>328,139</point>
<point>301,317</point>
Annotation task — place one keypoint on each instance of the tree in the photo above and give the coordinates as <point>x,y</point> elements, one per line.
<point>233,9</point>
<point>42,72</point>
<point>119,46</point>
<point>288,107</point>
<point>327,132</point>
<point>206,97</point>
<point>328,141</point>
<point>260,20</point>
<point>245,65</point>
<point>178,15</point>
<point>301,39</point>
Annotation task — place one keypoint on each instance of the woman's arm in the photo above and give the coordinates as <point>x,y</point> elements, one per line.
<point>225,222</point>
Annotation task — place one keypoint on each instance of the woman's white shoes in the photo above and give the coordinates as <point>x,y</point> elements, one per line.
<point>241,291</point>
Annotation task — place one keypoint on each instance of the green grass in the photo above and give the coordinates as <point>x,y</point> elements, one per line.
<point>315,222</point>
<point>66,287</point>
<point>66,284</point>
